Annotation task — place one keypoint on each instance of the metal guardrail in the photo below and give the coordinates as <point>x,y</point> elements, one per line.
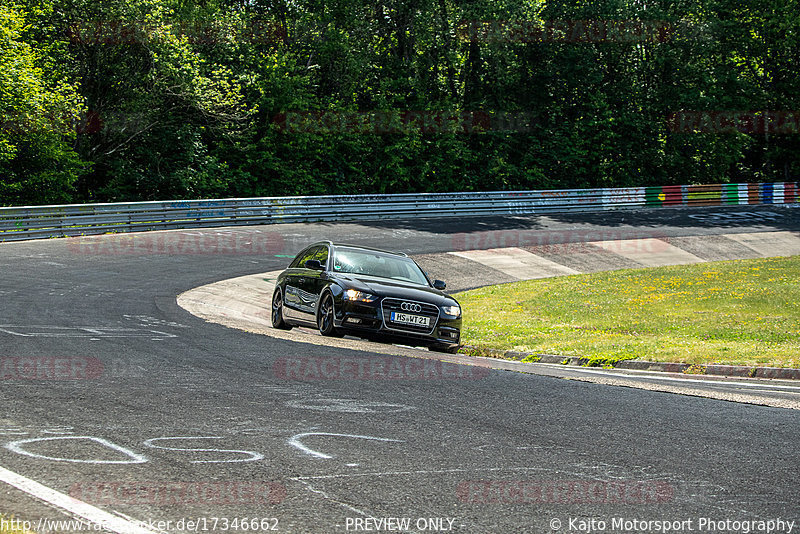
<point>36,222</point>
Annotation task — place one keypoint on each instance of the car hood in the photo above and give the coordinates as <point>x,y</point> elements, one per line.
<point>395,288</point>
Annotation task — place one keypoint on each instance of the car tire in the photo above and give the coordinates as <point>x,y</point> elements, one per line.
<point>277,312</point>
<point>450,349</point>
<point>325,316</point>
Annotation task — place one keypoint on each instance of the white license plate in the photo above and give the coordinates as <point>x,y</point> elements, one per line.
<point>407,318</point>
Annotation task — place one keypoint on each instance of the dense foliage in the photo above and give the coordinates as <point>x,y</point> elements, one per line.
<point>118,100</point>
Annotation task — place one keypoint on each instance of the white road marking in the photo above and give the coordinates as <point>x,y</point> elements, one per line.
<point>294,441</point>
<point>146,320</point>
<point>59,430</point>
<point>79,331</point>
<point>16,446</point>
<point>420,472</point>
<point>73,507</point>
<point>19,431</point>
<point>253,456</point>
<point>348,406</point>
<point>337,501</point>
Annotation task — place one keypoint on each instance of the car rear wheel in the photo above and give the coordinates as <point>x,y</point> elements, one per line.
<point>277,312</point>
<point>325,315</point>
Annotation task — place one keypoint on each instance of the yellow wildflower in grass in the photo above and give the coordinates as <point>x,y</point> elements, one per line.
<point>733,312</point>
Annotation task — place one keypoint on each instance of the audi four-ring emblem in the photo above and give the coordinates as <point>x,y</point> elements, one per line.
<point>411,307</point>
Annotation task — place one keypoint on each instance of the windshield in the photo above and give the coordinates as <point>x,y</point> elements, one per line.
<point>377,264</point>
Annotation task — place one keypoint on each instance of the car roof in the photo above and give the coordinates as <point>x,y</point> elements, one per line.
<point>360,247</point>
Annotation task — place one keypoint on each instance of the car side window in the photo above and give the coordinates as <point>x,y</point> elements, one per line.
<point>321,255</point>
<point>296,260</point>
<point>304,256</point>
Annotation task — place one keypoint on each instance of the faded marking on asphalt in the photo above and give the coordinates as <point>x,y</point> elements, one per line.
<point>428,472</point>
<point>80,331</point>
<point>19,447</point>
<point>253,456</point>
<point>16,446</point>
<point>348,406</point>
<point>147,320</point>
<point>294,441</point>
<point>18,431</point>
<point>327,496</point>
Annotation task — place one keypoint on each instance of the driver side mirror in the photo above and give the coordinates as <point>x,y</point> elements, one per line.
<point>439,284</point>
<point>314,264</point>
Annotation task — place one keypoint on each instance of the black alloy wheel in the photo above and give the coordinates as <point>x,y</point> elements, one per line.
<point>277,311</point>
<point>325,316</point>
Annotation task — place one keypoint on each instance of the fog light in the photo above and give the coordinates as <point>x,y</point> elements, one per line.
<point>354,320</point>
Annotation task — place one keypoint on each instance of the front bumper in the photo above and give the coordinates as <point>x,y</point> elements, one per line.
<point>373,319</point>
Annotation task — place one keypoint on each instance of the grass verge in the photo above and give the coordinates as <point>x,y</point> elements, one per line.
<point>744,312</point>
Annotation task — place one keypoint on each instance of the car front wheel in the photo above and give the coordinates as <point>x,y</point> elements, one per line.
<point>277,312</point>
<point>325,315</point>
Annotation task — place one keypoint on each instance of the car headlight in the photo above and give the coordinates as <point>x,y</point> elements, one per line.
<point>352,294</point>
<point>453,311</point>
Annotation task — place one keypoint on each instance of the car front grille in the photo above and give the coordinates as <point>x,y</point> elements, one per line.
<point>390,305</point>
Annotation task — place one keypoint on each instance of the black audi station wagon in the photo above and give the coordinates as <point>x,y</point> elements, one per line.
<point>344,289</point>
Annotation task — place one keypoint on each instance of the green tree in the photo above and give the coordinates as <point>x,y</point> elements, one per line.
<point>39,110</point>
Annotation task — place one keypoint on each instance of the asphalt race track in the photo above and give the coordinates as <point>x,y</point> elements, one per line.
<point>114,395</point>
